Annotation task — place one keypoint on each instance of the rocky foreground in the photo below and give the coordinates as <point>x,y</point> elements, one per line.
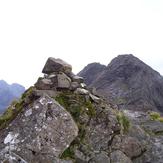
<point>59,120</point>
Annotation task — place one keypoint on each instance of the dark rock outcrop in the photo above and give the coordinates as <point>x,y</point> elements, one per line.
<point>129,82</point>
<point>91,72</point>
<point>56,65</point>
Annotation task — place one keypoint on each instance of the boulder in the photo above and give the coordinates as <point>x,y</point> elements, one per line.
<point>40,133</point>
<point>44,84</point>
<point>128,145</point>
<point>119,157</point>
<point>78,79</point>
<point>81,91</point>
<point>83,85</point>
<point>63,81</point>
<point>94,98</point>
<point>56,65</point>
<point>100,158</point>
<point>74,85</point>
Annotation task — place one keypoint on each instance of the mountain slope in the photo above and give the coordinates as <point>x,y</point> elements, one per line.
<point>91,72</point>
<point>130,83</point>
<point>8,93</point>
<point>59,120</point>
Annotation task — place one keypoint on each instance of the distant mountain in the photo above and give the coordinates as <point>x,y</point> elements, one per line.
<point>129,82</point>
<point>8,93</point>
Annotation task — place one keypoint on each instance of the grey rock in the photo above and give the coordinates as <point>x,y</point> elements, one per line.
<point>81,91</point>
<point>131,146</point>
<point>155,127</point>
<point>39,134</point>
<point>74,85</point>
<point>83,85</point>
<point>56,65</point>
<point>100,158</point>
<point>101,129</point>
<point>94,98</point>
<point>63,81</point>
<point>119,157</point>
<point>44,84</point>
<point>149,134</point>
<point>78,79</point>
<point>50,93</point>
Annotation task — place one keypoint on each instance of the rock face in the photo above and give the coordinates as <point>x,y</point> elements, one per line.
<point>43,128</point>
<point>91,72</point>
<point>55,122</point>
<point>130,83</point>
<point>56,65</point>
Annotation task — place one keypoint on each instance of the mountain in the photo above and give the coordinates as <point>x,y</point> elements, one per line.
<point>91,72</point>
<point>59,120</point>
<point>127,82</point>
<point>8,93</point>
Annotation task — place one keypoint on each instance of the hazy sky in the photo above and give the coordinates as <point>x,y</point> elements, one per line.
<point>78,31</point>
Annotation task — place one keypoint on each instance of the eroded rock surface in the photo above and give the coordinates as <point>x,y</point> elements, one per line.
<point>40,133</point>
<point>56,65</point>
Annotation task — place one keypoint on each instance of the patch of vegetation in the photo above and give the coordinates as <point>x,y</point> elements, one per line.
<point>14,109</point>
<point>78,106</point>
<point>124,122</point>
<point>68,153</point>
<point>91,110</point>
<point>160,119</point>
<point>155,116</point>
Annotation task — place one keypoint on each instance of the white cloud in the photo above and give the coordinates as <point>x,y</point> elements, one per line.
<point>79,32</point>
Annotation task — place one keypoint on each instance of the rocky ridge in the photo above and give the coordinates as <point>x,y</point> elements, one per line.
<point>127,82</point>
<point>59,120</point>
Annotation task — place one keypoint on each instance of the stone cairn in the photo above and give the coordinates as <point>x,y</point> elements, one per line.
<point>58,76</point>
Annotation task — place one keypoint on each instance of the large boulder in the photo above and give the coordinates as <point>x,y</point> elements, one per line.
<point>40,133</point>
<point>128,145</point>
<point>63,81</point>
<point>56,65</point>
<point>119,157</point>
<point>44,84</point>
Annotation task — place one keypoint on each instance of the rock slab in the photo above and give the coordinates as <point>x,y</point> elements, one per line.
<point>39,134</point>
<point>56,65</point>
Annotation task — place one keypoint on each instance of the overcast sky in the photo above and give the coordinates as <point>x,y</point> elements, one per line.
<point>78,31</point>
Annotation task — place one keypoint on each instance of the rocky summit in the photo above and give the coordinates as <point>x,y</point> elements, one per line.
<point>59,120</point>
<point>127,82</point>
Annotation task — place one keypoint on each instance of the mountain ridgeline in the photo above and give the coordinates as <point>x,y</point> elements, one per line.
<point>127,82</point>
<point>59,120</point>
<point>8,93</point>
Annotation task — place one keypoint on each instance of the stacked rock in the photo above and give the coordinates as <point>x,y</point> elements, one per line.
<point>58,76</point>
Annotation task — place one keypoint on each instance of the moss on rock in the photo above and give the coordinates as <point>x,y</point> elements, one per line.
<point>14,109</point>
<point>82,110</point>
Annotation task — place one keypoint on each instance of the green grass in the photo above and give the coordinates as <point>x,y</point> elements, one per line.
<point>77,106</point>
<point>155,116</point>
<point>14,109</point>
<point>123,121</point>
